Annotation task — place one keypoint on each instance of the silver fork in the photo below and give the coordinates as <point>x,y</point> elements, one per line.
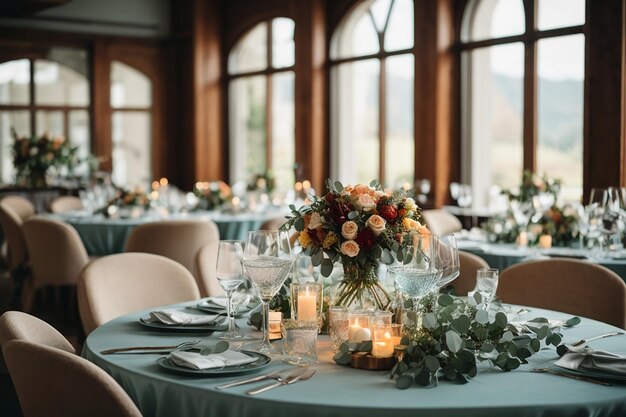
<point>278,375</point>
<point>591,339</point>
<point>152,349</point>
<point>288,381</point>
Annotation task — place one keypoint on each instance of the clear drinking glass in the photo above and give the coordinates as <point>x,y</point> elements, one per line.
<point>338,324</point>
<point>299,341</point>
<point>449,255</point>
<point>230,276</point>
<point>420,276</point>
<point>486,284</point>
<point>267,261</point>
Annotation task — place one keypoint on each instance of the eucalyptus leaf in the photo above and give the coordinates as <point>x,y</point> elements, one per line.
<point>317,258</point>
<point>453,340</point>
<point>365,346</point>
<point>386,257</point>
<point>404,382</point>
<point>432,364</point>
<point>482,316</point>
<point>429,321</point>
<point>299,224</point>
<point>461,324</point>
<point>449,372</point>
<point>338,186</point>
<point>542,333</point>
<point>572,322</point>
<point>487,347</point>
<point>445,300</point>
<point>423,378</point>
<point>535,345</point>
<point>342,358</point>
<point>221,346</point>
<point>326,268</point>
<point>501,320</point>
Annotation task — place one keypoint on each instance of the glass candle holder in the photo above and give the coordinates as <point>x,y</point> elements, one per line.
<point>338,325</point>
<point>299,342</point>
<point>397,330</point>
<point>306,301</point>
<point>382,342</point>
<point>359,326</point>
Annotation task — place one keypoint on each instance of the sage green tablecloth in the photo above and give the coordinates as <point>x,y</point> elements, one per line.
<point>340,391</point>
<point>102,236</point>
<point>502,255</point>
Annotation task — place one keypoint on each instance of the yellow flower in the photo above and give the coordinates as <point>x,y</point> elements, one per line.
<point>410,224</point>
<point>329,240</point>
<point>304,239</point>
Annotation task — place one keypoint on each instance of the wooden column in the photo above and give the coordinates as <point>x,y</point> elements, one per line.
<point>604,141</point>
<point>435,151</point>
<point>101,145</point>
<point>209,149</point>
<point>312,145</point>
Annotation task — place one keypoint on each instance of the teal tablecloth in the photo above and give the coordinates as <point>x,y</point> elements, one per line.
<point>501,256</point>
<point>340,391</point>
<point>102,236</point>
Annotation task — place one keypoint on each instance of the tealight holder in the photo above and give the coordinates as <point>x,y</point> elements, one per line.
<point>359,330</point>
<point>306,301</point>
<point>377,327</point>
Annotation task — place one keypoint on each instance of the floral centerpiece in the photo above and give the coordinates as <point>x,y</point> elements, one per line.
<point>212,194</point>
<point>361,226</point>
<point>264,182</point>
<point>33,156</point>
<point>561,223</point>
<point>534,185</point>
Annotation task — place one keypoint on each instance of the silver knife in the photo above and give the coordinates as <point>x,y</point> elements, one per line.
<point>271,375</point>
<point>288,381</point>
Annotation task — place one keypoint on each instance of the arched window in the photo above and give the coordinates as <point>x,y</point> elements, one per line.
<point>261,103</point>
<point>44,95</point>
<point>131,105</point>
<point>523,70</point>
<point>372,67</point>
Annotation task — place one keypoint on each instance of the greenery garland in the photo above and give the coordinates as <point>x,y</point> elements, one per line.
<point>455,335</point>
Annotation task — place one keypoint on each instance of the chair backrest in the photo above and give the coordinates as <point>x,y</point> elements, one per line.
<point>568,285</point>
<point>115,285</point>
<point>66,203</point>
<point>57,253</point>
<point>273,224</point>
<point>177,240</point>
<point>440,222</point>
<point>15,325</point>
<point>50,382</point>
<point>469,264</point>
<point>206,264</point>
<point>13,211</point>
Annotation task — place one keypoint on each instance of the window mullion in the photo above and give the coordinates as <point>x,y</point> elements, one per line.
<point>268,102</point>
<point>33,110</point>
<point>382,122</point>
<point>530,90</point>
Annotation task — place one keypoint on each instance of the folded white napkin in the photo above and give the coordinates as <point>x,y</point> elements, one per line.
<point>215,360</point>
<point>180,317</point>
<point>241,302</point>
<point>526,326</point>
<point>596,360</point>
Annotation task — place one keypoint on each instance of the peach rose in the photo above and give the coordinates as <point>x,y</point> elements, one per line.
<point>349,230</point>
<point>315,221</point>
<point>365,202</point>
<point>410,224</point>
<point>376,224</point>
<point>350,248</point>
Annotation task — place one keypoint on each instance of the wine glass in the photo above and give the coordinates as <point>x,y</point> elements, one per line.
<point>420,276</point>
<point>230,276</point>
<point>267,260</point>
<point>486,284</point>
<point>449,256</point>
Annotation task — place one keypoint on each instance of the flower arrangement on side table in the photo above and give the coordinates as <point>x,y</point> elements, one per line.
<point>212,194</point>
<point>33,156</point>
<point>361,226</point>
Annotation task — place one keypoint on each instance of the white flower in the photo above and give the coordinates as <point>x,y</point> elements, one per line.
<point>376,224</point>
<point>409,204</point>
<point>350,248</point>
<point>365,202</point>
<point>349,230</point>
<point>34,151</point>
<point>316,221</point>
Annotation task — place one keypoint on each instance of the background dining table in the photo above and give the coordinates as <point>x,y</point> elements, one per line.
<point>105,236</point>
<point>342,391</point>
<point>503,255</point>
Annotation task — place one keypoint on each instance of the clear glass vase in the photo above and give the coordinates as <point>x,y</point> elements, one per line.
<point>360,287</point>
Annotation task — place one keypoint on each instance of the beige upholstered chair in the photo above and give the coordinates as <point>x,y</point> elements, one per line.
<point>206,264</point>
<point>57,255</point>
<point>66,203</point>
<point>273,224</point>
<point>116,285</point>
<point>469,264</point>
<point>568,285</point>
<point>440,222</point>
<point>53,383</point>
<point>14,210</point>
<point>15,325</point>
<point>177,240</point>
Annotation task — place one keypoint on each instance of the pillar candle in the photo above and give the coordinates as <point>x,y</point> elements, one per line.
<point>522,239</point>
<point>384,347</point>
<point>545,241</point>
<point>307,305</point>
<point>358,334</point>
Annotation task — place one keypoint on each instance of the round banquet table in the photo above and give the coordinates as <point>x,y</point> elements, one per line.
<point>103,236</point>
<point>342,391</point>
<point>503,255</point>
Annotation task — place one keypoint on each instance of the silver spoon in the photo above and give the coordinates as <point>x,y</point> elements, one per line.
<point>583,341</point>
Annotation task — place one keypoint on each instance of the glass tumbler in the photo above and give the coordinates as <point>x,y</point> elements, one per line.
<point>299,342</point>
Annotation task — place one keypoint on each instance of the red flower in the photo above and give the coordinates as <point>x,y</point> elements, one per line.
<point>388,212</point>
<point>365,238</point>
<point>339,212</point>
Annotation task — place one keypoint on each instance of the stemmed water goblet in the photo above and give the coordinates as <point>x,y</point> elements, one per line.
<point>449,257</point>
<point>230,276</point>
<point>267,261</point>
<point>420,276</point>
